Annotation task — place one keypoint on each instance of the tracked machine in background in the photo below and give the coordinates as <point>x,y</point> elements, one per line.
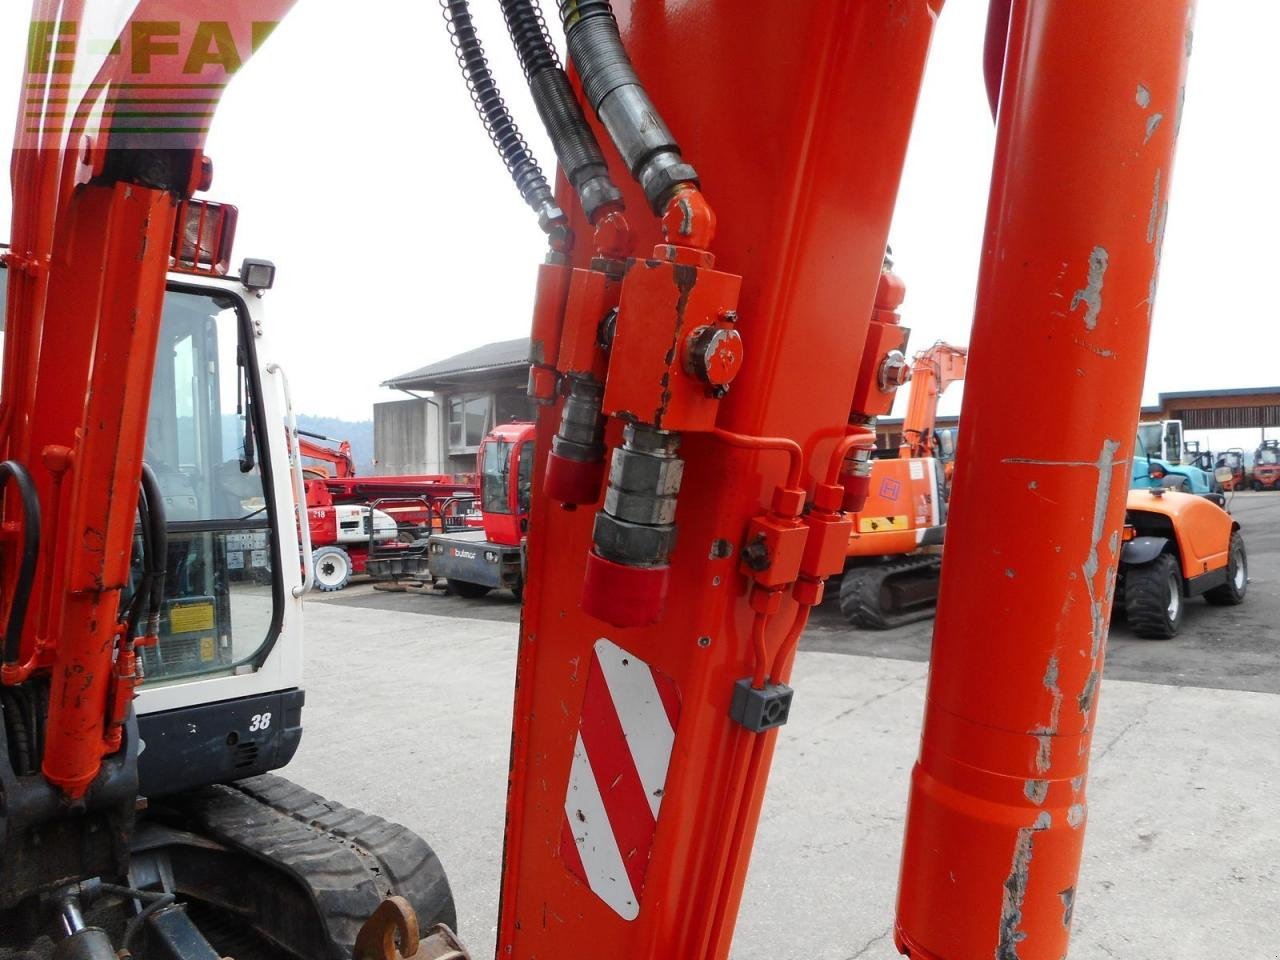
<point>714,375</point>
<point>895,558</point>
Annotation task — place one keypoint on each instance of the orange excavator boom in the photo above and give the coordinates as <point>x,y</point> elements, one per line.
<point>932,371</point>
<point>344,464</point>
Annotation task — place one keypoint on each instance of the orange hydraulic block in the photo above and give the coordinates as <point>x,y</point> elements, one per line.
<point>1088,116</point>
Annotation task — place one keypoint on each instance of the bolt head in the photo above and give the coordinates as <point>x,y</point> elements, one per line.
<point>894,372</point>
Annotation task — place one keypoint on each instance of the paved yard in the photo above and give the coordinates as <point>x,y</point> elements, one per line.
<point>1183,856</point>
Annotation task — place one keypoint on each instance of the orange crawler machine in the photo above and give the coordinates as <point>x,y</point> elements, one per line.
<point>892,574</point>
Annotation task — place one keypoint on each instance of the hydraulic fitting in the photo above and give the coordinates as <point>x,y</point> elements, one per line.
<point>855,470</point>
<point>575,465</point>
<point>612,88</point>
<point>894,371</point>
<point>627,569</point>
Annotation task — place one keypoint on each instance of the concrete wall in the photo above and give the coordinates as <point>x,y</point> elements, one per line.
<point>411,436</point>
<point>406,437</point>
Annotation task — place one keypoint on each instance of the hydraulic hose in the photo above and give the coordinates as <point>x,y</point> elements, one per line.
<point>157,549</point>
<point>575,144</point>
<point>12,470</point>
<point>615,93</point>
<point>142,591</point>
<point>499,123</point>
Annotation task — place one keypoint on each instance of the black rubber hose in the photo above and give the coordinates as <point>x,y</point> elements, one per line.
<point>497,119</point>
<point>12,470</point>
<point>575,143</point>
<point>134,926</point>
<point>142,590</point>
<point>613,89</point>
<point>158,549</point>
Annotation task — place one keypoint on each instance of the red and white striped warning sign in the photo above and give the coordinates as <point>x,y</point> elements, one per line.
<point>619,772</point>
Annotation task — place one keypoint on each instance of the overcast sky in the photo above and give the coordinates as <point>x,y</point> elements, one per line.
<point>352,151</point>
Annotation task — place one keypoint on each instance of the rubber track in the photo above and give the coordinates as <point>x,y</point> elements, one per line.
<point>860,593</point>
<point>349,860</point>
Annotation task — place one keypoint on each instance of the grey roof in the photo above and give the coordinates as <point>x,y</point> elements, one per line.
<point>1228,392</point>
<point>503,355</point>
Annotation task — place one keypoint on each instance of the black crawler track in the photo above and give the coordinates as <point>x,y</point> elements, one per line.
<point>863,592</point>
<point>340,861</point>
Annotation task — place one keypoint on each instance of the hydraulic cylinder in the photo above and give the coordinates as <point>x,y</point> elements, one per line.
<point>1088,116</point>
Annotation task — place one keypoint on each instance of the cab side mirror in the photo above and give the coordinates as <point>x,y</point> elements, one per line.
<point>1223,475</point>
<point>1156,472</point>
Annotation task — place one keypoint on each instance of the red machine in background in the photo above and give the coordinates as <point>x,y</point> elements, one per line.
<point>486,550</point>
<point>351,516</point>
<point>1266,466</point>
<point>344,465</point>
<point>1233,460</point>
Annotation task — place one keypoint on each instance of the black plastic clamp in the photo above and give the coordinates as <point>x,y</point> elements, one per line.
<point>763,709</point>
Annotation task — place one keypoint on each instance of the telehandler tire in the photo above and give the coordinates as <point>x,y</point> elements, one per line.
<point>1153,600</point>
<point>1232,592</point>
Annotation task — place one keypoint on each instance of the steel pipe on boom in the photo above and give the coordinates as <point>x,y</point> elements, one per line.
<point>1084,151</point>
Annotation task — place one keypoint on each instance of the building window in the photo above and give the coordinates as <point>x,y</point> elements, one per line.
<point>513,405</point>
<point>468,421</point>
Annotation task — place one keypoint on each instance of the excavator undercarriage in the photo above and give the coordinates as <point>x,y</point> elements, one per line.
<point>880,594</point>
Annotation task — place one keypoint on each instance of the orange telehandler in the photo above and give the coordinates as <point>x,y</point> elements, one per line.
<point>711,371</point>
<point>892,574</point>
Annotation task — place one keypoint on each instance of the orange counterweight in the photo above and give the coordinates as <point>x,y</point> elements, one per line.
<point>1085,144</point>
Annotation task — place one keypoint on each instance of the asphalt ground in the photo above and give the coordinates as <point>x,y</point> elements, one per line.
<point>409,710</point>
<point>1230,648</point>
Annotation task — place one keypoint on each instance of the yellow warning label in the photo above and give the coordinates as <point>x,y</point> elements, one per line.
<point>191,617</point>
<point>881,524</point>
<point>207,649</point>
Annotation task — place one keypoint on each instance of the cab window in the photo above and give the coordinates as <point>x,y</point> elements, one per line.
<point>204,442</point>
<point>495,477</point>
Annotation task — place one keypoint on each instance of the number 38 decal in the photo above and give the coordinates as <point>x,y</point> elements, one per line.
<point>259,721</point>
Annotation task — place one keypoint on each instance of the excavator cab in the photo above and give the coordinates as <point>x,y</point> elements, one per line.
<point>207,446</point>
<point>206,449</point>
